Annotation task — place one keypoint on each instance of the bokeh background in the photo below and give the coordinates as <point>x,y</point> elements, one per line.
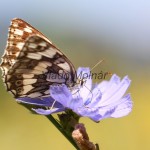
<point>86,31</point>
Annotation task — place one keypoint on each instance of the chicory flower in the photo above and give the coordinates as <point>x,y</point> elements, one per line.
<point>99,101</point>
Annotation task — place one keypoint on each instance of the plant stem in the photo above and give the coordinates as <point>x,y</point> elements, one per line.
<point>58,126</point>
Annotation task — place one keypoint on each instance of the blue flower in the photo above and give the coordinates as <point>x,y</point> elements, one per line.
<point>99,101</point>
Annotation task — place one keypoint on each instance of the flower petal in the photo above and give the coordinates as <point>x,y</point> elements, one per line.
<point>75,104</point>
<point>116,90</point>
<point>124,108</point>
<point>94,98</point>
<point>48,112</point>
<point>45,101</point>
<point>88,112</point>
<point>61,94</point>
<point>83,74</point>
<point>106,113</point>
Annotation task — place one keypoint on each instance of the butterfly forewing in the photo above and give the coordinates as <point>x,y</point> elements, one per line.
<point>19,31</point>
<point>30,60</point>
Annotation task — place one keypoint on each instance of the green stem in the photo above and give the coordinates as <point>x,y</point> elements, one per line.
<point>58,126</point>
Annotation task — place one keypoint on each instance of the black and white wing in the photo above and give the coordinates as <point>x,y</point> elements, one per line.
<point>31,63</point>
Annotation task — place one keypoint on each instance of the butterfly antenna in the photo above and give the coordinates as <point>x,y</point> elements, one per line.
<point>97,64</point>
<point>82,82</point>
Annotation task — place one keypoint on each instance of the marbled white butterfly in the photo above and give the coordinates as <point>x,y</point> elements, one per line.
<point>28,61</point>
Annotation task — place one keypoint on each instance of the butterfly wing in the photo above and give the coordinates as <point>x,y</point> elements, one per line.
<point>37,64</point>
<point>19,31</point>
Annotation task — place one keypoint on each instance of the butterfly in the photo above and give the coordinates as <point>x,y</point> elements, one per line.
<point>30,59</point>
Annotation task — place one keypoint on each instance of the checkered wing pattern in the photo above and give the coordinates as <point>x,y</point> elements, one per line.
<point>30,59</point>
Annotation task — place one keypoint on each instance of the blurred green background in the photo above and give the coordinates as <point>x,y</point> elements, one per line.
<point>86,31</point>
